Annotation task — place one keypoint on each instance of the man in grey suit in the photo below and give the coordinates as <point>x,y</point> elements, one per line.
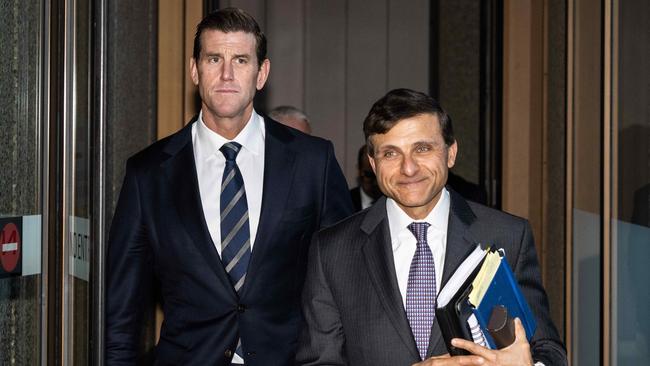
<point>373,279</point>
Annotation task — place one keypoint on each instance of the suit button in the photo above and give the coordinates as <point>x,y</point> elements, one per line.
<point>241,308</point>
<point>228,353</point>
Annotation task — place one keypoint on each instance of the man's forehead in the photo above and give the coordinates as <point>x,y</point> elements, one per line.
<point>217,38</point>
<point>420,126</point>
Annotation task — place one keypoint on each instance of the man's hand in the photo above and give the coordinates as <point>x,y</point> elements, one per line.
<point>516,354</point>
<point>446,360</point>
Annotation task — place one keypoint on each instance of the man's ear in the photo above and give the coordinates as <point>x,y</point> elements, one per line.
<point>451,155</point>
<point>371,160</point>
<point>194,72</point>
<point>263,73</point>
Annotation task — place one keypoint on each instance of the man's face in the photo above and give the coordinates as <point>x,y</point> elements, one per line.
<point>227,74</point>
<point>411,162</point>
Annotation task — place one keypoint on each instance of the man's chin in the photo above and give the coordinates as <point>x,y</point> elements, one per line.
<point>412,202</point>
<point>228,112</point>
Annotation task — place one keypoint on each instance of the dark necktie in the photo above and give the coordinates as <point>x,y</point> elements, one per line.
<point>421,289</point>
<point>235,232</point>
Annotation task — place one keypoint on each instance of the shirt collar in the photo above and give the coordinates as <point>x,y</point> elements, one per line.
<point>398,220</point>
<point>251,138</point>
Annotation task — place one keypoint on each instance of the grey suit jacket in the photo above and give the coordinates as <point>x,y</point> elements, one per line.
<point>354,314</point>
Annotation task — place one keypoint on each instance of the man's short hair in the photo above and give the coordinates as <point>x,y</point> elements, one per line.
<point>399,104</point>
<point>231,20</point>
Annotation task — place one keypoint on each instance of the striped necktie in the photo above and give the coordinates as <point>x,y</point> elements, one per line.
<point>421,289</point>
<point>235,232</point>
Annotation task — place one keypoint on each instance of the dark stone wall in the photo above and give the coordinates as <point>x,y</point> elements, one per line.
<point>555,169</point>
<point>19,170</point>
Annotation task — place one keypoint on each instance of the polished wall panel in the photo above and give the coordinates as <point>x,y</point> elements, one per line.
<point>131,94</point>
<point>459,78</point>
<point>333,59</point>
<point>586,156</point>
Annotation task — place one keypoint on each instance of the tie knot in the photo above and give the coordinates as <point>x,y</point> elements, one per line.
<point>230,150</point>
<point>419,230</point>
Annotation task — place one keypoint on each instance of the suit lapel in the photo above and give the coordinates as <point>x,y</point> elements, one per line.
<point>278,175</point>
<point>460,240</point>
<point>180,170</point>
<point>378,253</point>
<point>460,243</point>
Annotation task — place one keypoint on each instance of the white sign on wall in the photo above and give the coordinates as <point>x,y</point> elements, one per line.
<point>79,247</point>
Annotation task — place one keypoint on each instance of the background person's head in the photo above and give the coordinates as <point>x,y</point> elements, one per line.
<point>292,117</point>
<point>365,175</point>
<point>411,147</point>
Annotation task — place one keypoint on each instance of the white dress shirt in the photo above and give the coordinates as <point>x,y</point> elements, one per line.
<point>210,164</point>
<point>404,242</point>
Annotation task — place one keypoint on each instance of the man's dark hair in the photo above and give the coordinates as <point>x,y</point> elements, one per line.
<point>399,104</point>
<point>231,20</point>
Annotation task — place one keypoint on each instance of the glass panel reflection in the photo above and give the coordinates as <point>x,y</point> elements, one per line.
<point>79,177</point>
<point>631,238</point>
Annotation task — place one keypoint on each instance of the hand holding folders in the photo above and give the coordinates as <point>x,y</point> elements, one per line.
<point>516,354</point>
<point>482,284</point>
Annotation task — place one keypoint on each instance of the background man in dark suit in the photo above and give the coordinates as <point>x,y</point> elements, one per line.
<point>373,278</point>
<point>367,192</point>
<point>218,218</point>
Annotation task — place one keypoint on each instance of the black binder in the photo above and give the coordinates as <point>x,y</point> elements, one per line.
<point>452,318</point>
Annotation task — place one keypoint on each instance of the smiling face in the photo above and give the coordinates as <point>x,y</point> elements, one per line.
<point>411,161</point>
<point>228,74</point>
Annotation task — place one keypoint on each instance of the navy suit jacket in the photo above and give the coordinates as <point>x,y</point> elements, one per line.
<point>159,241</point>
<point>354,314</point>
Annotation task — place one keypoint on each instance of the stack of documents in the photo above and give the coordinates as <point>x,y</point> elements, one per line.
<point>482,282</point>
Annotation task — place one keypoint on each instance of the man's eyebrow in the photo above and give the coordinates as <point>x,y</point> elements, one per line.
<point>425,142</point>
<point>387,147</point>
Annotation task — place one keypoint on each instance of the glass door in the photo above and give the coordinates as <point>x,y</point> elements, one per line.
<point>79,178</point>
<point>630,190</point>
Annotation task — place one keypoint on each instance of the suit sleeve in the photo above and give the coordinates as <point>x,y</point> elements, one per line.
<point>546,346</point>
<point>337,203</point>
<point>129,276</point>
<point>322,339</point>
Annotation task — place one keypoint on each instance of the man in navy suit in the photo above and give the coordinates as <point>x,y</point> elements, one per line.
<point>373,279</point>
<point>218,217</point>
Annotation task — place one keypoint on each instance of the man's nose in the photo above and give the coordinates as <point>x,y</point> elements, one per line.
<point>409,165</point>
<point>227,73</point>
